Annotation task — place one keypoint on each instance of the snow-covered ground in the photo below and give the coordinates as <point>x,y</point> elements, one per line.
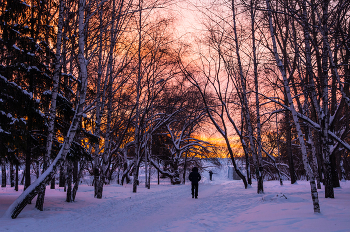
<point>223,205</point>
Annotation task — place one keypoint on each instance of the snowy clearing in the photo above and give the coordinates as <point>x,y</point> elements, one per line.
<point>222,206</point>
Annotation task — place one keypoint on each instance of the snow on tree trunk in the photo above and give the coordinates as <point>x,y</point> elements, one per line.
<point>52,114</point>
<point>307,167</point>
<point>310,82</point>
<point>99,108</point>
<point>174,176</point>
<point>314,159</point>
<point>18,205</point>
<point>175,179</point>
<point>324,116</point>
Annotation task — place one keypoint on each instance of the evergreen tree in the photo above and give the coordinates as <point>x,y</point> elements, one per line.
<point>25,74</point>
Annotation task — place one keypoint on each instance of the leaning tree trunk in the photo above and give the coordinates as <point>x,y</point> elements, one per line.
<point>307,167</point>
<point>18,205</point>
<point>52,115</point>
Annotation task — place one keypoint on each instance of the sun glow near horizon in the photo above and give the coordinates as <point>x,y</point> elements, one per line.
<point>220,143</point>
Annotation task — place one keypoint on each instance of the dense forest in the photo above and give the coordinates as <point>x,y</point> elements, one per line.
<point>106,87</point>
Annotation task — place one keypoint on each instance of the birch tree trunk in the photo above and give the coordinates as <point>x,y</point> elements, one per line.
<point>257,103</point>
<point>256,157</point>
<point>307,167</point>
<point>138,86</point>
<point>52,114</point>
<point>310,82</point>
<point>18,205</point>
<point>99,109</point>
<point>69,181</point>
<point>110,77</point>
<point>77,174</point>
<point>324,116</point>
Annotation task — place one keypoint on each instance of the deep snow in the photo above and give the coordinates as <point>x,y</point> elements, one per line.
<point>223,205</point>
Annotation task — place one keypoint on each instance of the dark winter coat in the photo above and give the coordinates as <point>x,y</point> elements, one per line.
<point>194,176</point>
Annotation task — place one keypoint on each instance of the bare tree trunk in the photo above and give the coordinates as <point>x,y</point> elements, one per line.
<point>256,158</point>
<point>16,180</point>
<point>138,86</point>
<point>324,117</point>
<point>257,104</point>
<point>335,176</point>
<point>3,174</point>
<point>148,158</point>
<point>185,167</point>
<point>18,205</point>
<point>12,176</point>
<point>147,154</point>
<point>99,109</point>
<point>278,149</point>
<point>158,176</point>
<point>52,115</point>
<point>289,150</point>
<point>53,182</point>
<point>77,174</point>
<point>69,182</point>
<point>62,178</point>
<point>307,167</point>
<point>314,159</point>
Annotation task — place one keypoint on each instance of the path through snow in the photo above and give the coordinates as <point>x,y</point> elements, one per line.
<point>221,206</point>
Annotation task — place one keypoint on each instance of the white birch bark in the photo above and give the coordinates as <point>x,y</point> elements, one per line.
<point>97,132</point>
<point>52,113</point>
<point>18,205</point>
<point>110,94</point>
<point>307,167</point>
<point>310,76</point>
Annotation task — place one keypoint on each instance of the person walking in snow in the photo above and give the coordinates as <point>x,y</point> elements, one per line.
<point>211,175</point>
<point>194,177</point>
